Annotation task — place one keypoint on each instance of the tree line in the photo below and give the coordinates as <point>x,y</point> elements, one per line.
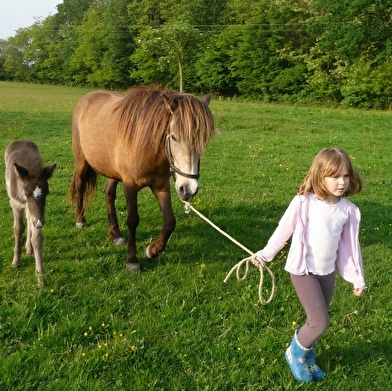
<point>292,51</point>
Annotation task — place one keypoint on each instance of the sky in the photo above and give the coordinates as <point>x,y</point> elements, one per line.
<point>16,14</point>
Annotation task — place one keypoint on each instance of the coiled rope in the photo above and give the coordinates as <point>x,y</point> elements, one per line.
<point>246,261</point>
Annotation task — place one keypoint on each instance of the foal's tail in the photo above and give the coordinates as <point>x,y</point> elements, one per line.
<point>88,185</point>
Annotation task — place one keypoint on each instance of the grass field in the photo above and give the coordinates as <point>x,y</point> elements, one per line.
<point>176,325</point>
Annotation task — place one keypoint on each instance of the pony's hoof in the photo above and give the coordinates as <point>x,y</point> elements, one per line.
<point>133,267</point>
<point>15,264</point>
<point>119,241</point>
<point>147,254</point>
<point>80,225</point>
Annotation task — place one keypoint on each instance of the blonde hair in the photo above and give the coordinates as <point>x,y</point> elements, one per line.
<point>328,163</point>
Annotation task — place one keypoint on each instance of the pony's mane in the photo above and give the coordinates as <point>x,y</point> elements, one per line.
<point>144,115</point>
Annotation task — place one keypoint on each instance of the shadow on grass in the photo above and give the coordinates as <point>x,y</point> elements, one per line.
<point>376,223</point>
<point>195,240</point>
<point>363,353</point>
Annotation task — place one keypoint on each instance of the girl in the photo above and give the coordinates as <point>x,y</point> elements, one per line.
<point>324,227</point>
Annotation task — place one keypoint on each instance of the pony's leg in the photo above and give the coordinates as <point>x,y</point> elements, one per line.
<point>78,188</point>
<point>114,230</point>
<point>169,223</point>
<point>79,178</point>
<point>29,246</point>
<point>131,192</point>
<point>37,242</point>
<point>19,228</point>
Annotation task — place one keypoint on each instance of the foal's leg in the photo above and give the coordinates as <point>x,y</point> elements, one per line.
<point>34,243</point>
<point>131,192</point>
<point>37,243</point>
<point>114,230</point>
<point>29,246</point>
<point>19,228</point>
<point>169,223</point>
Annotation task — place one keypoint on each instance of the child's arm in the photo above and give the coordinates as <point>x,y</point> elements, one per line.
<point>281,234</point>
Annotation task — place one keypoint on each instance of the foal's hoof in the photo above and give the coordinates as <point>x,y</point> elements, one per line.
<point>80,225</point>
<point>41,280</point>
<point>133,267</point>
<point>119,241</point>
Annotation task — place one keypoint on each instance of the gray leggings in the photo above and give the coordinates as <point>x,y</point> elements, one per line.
<point>315,294</point>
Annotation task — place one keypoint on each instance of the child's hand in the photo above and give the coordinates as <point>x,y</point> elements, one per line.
<point>358,291</point>
<point>255,260</point>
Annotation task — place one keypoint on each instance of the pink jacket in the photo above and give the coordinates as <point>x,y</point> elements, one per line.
<point>293,222</point>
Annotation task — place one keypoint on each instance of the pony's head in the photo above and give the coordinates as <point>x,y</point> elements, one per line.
<point>150,118</point>
<point>190,127</point>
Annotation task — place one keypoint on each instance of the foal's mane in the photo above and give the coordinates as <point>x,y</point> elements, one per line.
<point>144,114</point>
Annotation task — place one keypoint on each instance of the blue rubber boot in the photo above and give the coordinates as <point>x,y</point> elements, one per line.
<point>315,370</point>
<point>296,356</point>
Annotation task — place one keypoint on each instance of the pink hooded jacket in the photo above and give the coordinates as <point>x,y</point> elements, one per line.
<point>294,222</point>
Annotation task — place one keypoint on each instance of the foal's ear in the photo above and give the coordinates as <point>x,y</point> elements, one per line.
<point>206,99</point>
<point>48,171</point>
<point>171,106</point>
<point>23,172</point>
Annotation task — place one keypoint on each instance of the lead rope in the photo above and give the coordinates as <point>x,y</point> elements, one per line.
<point>245,261</point>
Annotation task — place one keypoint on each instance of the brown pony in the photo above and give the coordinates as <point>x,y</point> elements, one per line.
<point>27,187</point>
<point>139,139</point>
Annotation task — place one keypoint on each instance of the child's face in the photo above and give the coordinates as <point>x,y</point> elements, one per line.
<point>338,184</point>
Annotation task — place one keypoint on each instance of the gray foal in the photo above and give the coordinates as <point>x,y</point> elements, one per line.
<point>27,187</point>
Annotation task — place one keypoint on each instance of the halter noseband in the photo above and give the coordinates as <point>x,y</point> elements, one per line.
<point>173,168</point>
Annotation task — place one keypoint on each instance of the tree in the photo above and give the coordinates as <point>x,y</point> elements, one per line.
<point>349,29</point>
<point>70,13</point>
<point>168,50</point>
<point>14,63</point>
<point>276,50</point>
<point>267,57</point>
<point>352,42</point>
<point>102,57</point>
<point>213,64</point>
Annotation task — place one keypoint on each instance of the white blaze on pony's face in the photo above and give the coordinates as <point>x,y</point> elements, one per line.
<point>185,164</point>
<point>187,187</point>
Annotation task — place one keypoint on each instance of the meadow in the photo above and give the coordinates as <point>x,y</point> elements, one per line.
<point>177,325</point>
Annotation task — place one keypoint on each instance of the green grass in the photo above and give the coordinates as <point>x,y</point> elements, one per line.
<point>177,326</point>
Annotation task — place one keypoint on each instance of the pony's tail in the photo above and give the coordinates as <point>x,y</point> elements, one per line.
<point>88,187</point>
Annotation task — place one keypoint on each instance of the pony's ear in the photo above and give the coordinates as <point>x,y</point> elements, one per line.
<point>206,99</point>
<point>48,171</point>
<point>23,172</point>
<point>171,106</point>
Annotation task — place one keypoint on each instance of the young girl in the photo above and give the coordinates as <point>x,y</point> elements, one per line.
<point>324,227</point>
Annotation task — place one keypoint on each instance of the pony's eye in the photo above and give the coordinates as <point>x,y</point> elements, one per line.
<point>174,138</point>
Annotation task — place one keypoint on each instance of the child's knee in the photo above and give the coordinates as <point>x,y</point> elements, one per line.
<point>319,326</point>
<point>323,325</point>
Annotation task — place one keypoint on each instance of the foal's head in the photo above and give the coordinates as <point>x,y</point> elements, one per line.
<point>35,190</point>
